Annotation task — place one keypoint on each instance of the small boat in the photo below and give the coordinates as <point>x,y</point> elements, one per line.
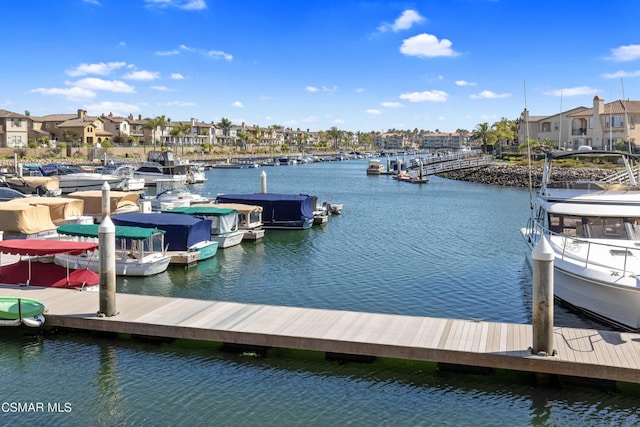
<point>119,202</point>
<point>183,233</point>
<point>129,182</point>
<point>16,311</point>
<point>161,164</point>
<point>139,251</point>
<point>62,210</point>
<point>249,219</point>
<point>593,228</point>
<point>284,211</point>
<point>34,185</point>
<point>224,222</point>
<point>375,167</point>
<point>71,178</point>
<point>25,221</point>
<point>171,193</point>
<point>31,272</point>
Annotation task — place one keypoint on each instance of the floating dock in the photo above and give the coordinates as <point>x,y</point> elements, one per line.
<point>586,353</point>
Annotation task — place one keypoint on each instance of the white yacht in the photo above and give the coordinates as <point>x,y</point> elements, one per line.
<point>593,227</point>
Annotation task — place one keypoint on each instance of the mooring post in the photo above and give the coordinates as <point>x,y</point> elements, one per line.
<point>263,182</point>
<point>107,251</point>
<point>106,199</point>
<point>542,256</point>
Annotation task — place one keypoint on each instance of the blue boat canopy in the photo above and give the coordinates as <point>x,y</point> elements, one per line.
<point>275,207</point>
<point>181,231</point>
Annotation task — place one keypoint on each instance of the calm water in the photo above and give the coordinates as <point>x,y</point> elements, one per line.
<point>444,249</point>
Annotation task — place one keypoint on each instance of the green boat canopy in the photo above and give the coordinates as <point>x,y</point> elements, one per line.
<point>202,210</point>
<point>122,231</point>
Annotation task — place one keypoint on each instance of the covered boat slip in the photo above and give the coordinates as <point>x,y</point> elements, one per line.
<point>249,219</point>
<point>287,211</point>
<point>139,251</point>
<point>28,272</point>
<point>184,234</point>
<point>21,216</point>
<point>224,222</point>
<point>119,202</point>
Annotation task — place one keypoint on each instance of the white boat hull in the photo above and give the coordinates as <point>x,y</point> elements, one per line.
<point>229,239</point>
<point>149,265</point>
<point>89,181</point>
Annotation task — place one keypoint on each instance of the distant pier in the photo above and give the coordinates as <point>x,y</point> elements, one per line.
<point>586,353</point>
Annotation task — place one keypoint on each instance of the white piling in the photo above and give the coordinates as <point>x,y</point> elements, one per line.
<point>107,251</point>
<point>542,294</point>
<point>263,182</point>
<point>106,200</point>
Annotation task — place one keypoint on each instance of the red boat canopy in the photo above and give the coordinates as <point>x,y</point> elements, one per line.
<point>35,247</point>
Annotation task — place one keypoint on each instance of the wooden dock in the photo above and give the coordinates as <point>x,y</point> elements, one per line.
<point>585,353</point>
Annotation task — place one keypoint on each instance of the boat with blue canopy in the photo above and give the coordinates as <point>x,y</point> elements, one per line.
<point>284,211</point>
<point>224,222</point>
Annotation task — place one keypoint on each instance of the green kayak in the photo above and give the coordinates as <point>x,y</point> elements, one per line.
<point>29,307</point>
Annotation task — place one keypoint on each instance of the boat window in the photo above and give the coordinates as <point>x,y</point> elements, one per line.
<point>606,228</point>
<point>632,226</point>
<point>566,225</point>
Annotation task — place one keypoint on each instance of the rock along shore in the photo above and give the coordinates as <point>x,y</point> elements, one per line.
<point>511,175</point>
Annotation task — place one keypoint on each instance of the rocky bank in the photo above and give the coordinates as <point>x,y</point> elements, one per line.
<point>506,174</point>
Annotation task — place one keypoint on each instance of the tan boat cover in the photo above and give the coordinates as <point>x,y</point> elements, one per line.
<point>60,208</point>
<point>244,212</point>
<point>48,182</point>
<point>93,200</point>
<point>22,218</point>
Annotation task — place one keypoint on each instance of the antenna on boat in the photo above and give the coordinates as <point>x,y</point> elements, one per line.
<point>526,137</point>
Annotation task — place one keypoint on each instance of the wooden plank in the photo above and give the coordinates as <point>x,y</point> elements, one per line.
<point>581,352</point>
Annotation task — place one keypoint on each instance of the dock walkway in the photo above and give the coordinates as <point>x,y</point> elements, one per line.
<point>583,353</point>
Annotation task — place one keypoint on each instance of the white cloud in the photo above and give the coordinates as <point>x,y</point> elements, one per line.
<point>487,94</point>
<point>237,104</point>
<point>168,52</point>
<point>625,53</point>
<point>101,69</point>
<point>142,75</point>
<point>391,104</point>
<point>464,83</point>
<point>94,83</point>
<point>117,108</point>
<point>403,22</point>
<point>330,89</point>
<point>219,54</point>
<point>181,104</point>
<point>309,119</point>
<point>311,89</point>
<point>162,88</point>
<point>72,93</point>
<point>573,91</point>
<point>426,96</point>
<point>360,90</point>
<point>620,74</point>
<point>95,2</point>
<point>373,111</point>
<point>177,76</point>
<point>178,4</point>
<point>427,46</point>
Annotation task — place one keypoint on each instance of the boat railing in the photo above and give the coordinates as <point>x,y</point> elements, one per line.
<point>570,245</point>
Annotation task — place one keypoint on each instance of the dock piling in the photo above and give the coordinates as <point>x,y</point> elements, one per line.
<point>542,256</point>
<point>107,245</point>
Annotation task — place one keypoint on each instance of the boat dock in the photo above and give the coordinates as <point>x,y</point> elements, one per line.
<point>585,353</point>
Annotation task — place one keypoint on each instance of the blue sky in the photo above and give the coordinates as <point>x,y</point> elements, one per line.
<point>357,65</point>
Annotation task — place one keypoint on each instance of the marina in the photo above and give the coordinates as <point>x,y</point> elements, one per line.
<point>437,251</point>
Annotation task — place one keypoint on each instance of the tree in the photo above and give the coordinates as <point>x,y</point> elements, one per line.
<point>335,134</point>
<point>181,130</point>
<point>505,130</point>
<point>481,133</point>
<point>153,124</point>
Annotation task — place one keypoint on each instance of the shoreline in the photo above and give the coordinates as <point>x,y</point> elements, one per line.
<point>510,175</point>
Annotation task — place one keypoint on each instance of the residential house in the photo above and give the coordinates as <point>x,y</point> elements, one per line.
<point>88,130</point>
<point>441,141</point>
<point>599,127</point>
<point>14,129</point>
<point>389,141</point>
<point>117,126</point>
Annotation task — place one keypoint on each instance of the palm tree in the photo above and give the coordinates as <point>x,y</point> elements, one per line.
<point>181,130</point>
<point>505,130</point>
<point>481,132</point>
<point>153,124</point>
<point>335,134</point>
<point>225,124</point>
